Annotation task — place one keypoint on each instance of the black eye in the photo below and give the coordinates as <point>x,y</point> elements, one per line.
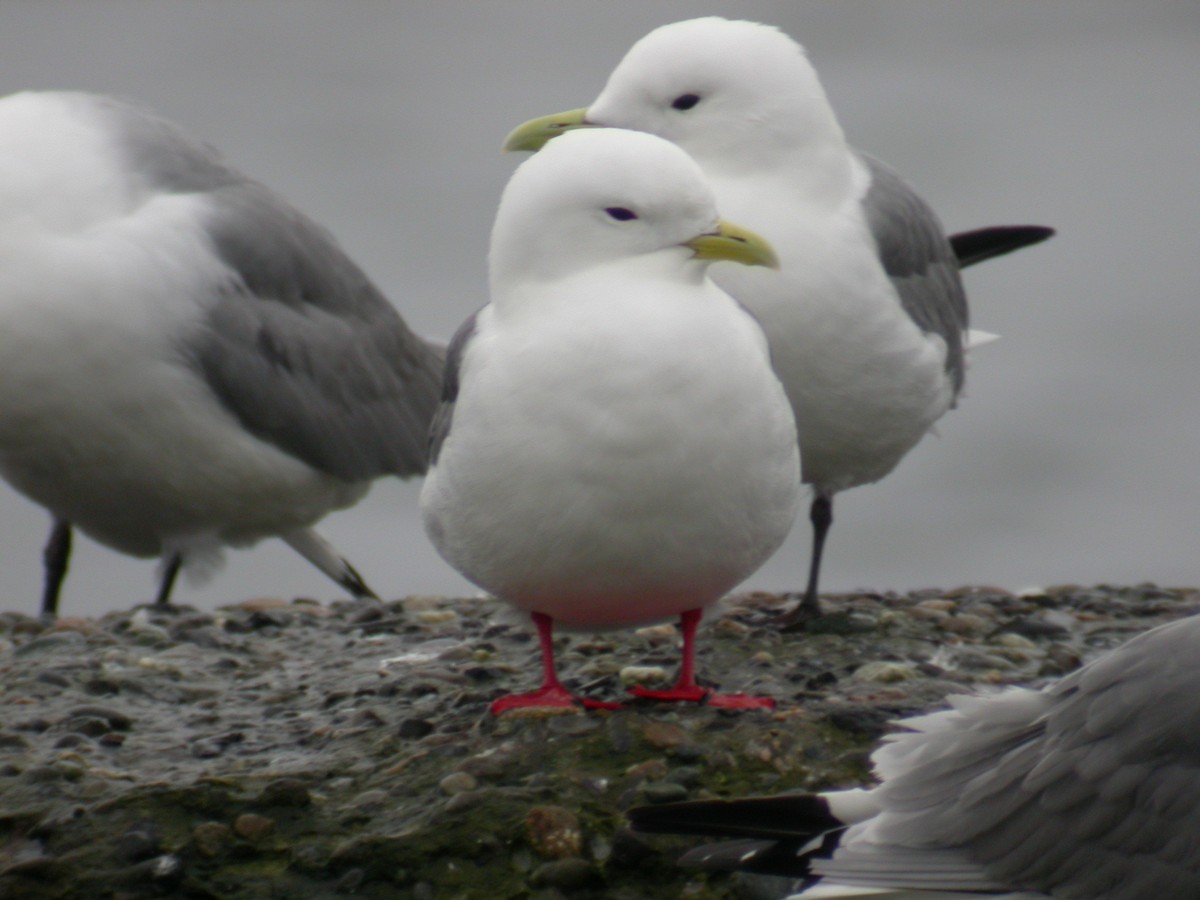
<point>685,101</point>
<point>621,214</point>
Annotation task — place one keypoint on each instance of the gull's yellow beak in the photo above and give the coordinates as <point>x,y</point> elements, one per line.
<point>534,134</point>
<point>734,244</point>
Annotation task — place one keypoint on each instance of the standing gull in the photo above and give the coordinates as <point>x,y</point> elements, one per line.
<point>866,315</point>
<point>613,447</point>
<point>186,361</point>
<point>1087,788</point>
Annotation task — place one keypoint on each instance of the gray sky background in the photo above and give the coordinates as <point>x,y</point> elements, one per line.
<point>1073,457</point>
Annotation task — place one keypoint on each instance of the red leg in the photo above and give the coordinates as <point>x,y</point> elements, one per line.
<point>552,693</point>
<point>686,689</point>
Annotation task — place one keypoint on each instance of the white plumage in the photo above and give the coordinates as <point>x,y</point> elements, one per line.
<point>186,362</point>
<point>615,448</point>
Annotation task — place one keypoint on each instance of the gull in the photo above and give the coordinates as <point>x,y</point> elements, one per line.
<point>186,361</point>
<point>1089,787</point>
<point>613,447</point>
<point>866,315</point>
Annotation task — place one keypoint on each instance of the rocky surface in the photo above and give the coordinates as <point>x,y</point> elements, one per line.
<point>280,749</point>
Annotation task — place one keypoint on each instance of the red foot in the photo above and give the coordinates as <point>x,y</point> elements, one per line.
<point>547,698</point>
<point>697,694</point>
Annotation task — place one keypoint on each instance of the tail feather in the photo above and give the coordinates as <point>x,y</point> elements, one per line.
<point>795,816</point>
<point>973,247</point>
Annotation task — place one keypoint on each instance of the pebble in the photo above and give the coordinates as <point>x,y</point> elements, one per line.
<point>553,832</point>
<point>211,838</point>
<point>643,675</point>
<point>457,783</point>
<point>885,672</point>
<point>664,792</point>
<point>567,874</point>
<point>664,735</point>
<point>252,826</point>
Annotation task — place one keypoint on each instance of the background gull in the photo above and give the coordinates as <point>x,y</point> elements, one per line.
<point>613,448</point>
<point>186,361</point>
<point>1087,788</point>
<point>867,317</point>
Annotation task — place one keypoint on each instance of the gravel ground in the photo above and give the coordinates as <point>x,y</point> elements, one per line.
<point>277,749</point>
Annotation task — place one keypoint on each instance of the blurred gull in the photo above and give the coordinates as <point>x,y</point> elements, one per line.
<point>1088,788</point>
<point>866,315</point>
<point>186,361</point>
<point>614,448</point>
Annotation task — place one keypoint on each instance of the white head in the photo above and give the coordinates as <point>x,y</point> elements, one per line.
<point>601,196</point>
<point>735,95</point>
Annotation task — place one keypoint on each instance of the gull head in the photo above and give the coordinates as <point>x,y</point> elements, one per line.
<point>599,197</point>
<point>733,94</point>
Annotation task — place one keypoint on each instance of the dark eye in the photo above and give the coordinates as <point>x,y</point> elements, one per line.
<point>685,101</point>
<point>621,214</point>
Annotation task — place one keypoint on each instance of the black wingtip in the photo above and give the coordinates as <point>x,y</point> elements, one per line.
<point>971,247</point>
<point>800,816</point>
<point>354,583</point>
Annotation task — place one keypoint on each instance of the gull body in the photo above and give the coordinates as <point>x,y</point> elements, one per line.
<point>186,362</point>
<point>614,448</point>
<point>1088,788</point>
<point>866,316</point>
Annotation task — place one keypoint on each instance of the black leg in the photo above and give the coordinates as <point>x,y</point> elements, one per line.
<point>353,582</point>
<point>55,556</point>
<point>821,516</point>
<point>168,580</point>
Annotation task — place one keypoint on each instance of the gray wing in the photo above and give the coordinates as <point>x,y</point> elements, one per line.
<point>1089,788</point>
<point>919,259</point>
<point>444,416</point>
<point>299,345</point>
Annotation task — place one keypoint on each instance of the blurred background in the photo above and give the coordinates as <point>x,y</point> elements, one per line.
<point>1072,458</point>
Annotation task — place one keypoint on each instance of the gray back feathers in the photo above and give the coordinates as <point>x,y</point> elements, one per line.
<point>300,346</point>
<point>919,259</point>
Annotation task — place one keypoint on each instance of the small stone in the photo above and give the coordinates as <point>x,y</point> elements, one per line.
<point>65,643</point>
<point>688,776</point>
<point>664,792</point>
<point>414,729</point>
<point>140,842</point>
<point>457,783</point>
<point>730,628</point>
<point>885,672</point>
<point>664,735</point>
<point>112,739</point>
<point>252,826</point>
<point>651,770</point>
<point>10,741</point>
<point>565,874</point>
<point>260,604</point>
<point>91,726</point>
<point>1014,641</point>
<point>436,616</point>
<point>965,623</point>
<point>643,675</point>
<point>211,838</point>
<point>164,870</point>
<point>553,832</point>
<point>114,717</point>
<point>763,658</point>
<point>285,792</point>
<point>310,858</point>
